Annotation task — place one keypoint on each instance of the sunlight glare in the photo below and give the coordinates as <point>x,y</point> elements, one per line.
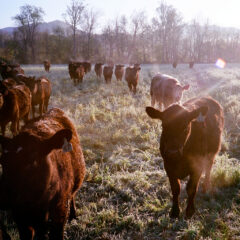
<point>220,63</point>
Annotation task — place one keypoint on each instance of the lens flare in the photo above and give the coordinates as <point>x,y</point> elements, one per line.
<point>220,63</point>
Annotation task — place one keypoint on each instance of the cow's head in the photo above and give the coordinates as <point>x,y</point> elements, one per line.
<point>178,92</point>
<point>26,151</point>
<point>176,127</point>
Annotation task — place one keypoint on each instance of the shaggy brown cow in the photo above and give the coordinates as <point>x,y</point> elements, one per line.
<point>47,65</point>
<point>174,64</point>
<point>43,168</point>
<point>15,105</point>
<point>107,73</point>
<point>10,70</point>
<point>41,91</point>
<point>119,71</point>
<point>191,64</point>
<point>190,140</point>
<point>166,90</point>
<point>76,72</point>
<point>98,69</point>
<point>132,77</point>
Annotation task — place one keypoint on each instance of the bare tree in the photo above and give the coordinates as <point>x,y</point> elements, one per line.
<point>89,26</point>
<point>73,16</point>
<point>28,20</point>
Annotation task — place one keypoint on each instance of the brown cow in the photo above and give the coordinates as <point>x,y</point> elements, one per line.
<point>41,91</point>
<point>43,168</point>
<point>119,71</point>
<point>10,70</point>
<point>47,65</point>
<point>191,64</point>
<point>15,105</point>
<point>98,69</point>
<point>166,90</point>
<point>174,64</point>
<point>132,77</point>
<point>76,71</point>
<point>190,140</point>
<point>107,73</point>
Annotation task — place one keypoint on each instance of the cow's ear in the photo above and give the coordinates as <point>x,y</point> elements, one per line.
<point>61,139</point>
<point>186,87</point>
<point>199,114</point>
<point>153,113</point>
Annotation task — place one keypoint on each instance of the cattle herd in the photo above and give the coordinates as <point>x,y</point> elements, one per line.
<point>42,163</point>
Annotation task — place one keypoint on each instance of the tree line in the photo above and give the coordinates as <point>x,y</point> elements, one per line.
<point>164,38</point>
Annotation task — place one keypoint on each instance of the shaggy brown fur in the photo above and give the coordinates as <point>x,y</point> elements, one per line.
<point>132,77</point>
<point>107,73</point>
<point>119,71</point>
<point>41,176</point>
<point>15,105</point>
<point>190,140</point>
<point>166,90</point>
<point>46,65</point>
<point>10,70</point>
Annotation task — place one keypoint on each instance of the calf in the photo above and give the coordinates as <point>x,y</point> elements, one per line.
<point>43,168</point>
<point>47,65</point>
<point>107,73</point>
<point>119,71</point>
<point>190,140</point>
<point>132,77</point>
<point>41,91</point>
<point>15,105</point>
<point>166,90</point>
<point>98,69</point>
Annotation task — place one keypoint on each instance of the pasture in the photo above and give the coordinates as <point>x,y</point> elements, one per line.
<point>126,193</point>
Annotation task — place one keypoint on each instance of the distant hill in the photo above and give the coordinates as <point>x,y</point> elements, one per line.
<point>44,27</point>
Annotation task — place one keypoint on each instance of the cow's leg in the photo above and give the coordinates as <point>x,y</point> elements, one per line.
<point>3,128</point>
<point>192,187</point>
<point>176,187</point>
<point>72,214</point>
<point>208,167</point>
<point>14,127</point>
<point>46,100</point>
<point>41,105</point>
<point>134,88</point>
<point>25,232</point>
<point>59,218</point>
<point>33,111</point>
<point>130,86</point>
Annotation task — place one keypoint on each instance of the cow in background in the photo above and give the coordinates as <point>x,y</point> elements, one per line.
<point>47,65</point>
<point>166,90</point>
<point>119,71</point>
<point>107,73</point>
<point>98,69</point>
<point>132,78</point>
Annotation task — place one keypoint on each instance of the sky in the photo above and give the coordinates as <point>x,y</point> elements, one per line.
<point>218,12</point>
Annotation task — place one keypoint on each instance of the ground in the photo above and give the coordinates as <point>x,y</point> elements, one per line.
<point>126,193</point>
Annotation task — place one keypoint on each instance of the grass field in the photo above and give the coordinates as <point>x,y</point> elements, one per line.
<point>126,193</point>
